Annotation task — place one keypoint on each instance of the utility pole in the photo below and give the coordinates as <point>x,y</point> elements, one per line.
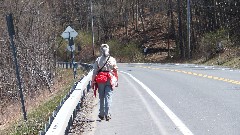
<point>172,28</point>
<point>11,33</point>
<point>180,34</point>
<point>91,8</point>
<point>189,27</point>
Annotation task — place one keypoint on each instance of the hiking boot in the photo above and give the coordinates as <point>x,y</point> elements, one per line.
<point>108,118</point>
<point>100,117</point>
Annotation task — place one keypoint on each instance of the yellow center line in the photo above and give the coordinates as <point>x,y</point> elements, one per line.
<point>220,79</point>
<point>235,82</point>
<point>225,80</point>
<point>184,72</point>
<point>209,77</point>
<point>190,73</point>
<point>231,81</point>
<point>205,75</point>
<point>196,74</point>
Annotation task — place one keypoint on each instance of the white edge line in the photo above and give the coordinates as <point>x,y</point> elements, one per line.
<point>180,125</point>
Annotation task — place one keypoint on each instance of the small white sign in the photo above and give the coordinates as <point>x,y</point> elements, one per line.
<point>71,48</point>
<point>69,32</point>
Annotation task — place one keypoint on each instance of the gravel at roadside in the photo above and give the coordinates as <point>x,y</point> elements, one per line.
<point>85,121</point>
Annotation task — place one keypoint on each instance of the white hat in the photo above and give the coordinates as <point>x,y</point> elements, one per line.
<point>104,46</point>
<point>105,50</point>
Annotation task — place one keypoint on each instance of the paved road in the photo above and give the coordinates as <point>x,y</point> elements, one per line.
<point>174,99</point>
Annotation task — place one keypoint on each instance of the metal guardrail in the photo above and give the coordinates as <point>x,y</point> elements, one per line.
<point>70,65</point>
<point>62,118</point>
<point>67,65</point>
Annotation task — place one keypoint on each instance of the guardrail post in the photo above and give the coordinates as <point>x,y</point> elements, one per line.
<point>84,93</point>
<point>88,86</point>
<point>54,113</point>
<point>46,127</point>
<point>58,108</point>
<point>78,105</point>
<point>74,113</point>
<point>41,133</point>
<point>68,126</point>
<point>60,104</point>
<point>50,120</point>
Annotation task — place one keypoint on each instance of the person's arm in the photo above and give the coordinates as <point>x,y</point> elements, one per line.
<point>115,69</point>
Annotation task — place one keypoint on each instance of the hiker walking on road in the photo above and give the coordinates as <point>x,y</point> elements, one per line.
<point>105,76</point>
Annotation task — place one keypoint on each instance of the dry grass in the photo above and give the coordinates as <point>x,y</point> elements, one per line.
<point>11,118</point>
<point>229,58</point>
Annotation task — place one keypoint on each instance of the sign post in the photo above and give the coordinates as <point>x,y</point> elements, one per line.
<point>70,34</point>
<point>11,33</point>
